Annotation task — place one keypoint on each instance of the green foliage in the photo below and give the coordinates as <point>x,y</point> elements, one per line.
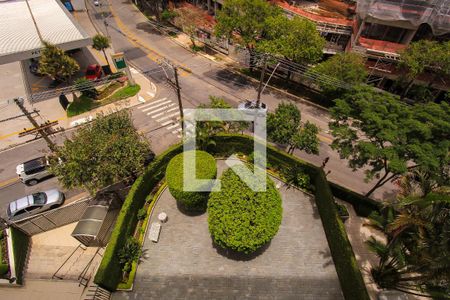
<point>101,153</point>
<point>296,176</point>
<point>100,43</point>
<point>21,243</point>
<point>377,131</point>
<point>416,257</point>
<point>109,273</point>
<point>168,15</point>
<point>55,63</point>
<point>284,127</point>
<point>241,219</point>
<point>296,39</point>
<point>82,105</point>
<point>245,17</point>
<point>86,87</point>
<point>352,283</point>
<point>205,165</point>
<point>363,206</point>
<point>142,213</point>
<point>126,92</point>
<point>3,269</point>
<point>346,67</point>
<point>129,253</point>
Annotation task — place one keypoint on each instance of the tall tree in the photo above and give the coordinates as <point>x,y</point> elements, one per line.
<point>100,43</point>
<point>284,127</point>
<point>375,130</point>
<point>188,19</point>
<point>346,67</point>
<point>55,63</point>
<point>101,153</point>
<point>296,39</point>
<point>247,18</point>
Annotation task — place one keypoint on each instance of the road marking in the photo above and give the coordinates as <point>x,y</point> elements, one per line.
<point>176,131</point>
<point>161,113</point>
<point>141,99</point>
<point>9,181</point>
<point>151,103</point>
<point>155,106</point>
<point>166,117</point>
<point>173,126</point>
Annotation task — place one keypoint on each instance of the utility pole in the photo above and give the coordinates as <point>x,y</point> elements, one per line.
<point>19,102</point>
<point>261,80</point>
<point>176,86</point>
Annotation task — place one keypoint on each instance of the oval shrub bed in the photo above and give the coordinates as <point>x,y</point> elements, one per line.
<point>205,169</point>
<point>241,219</point>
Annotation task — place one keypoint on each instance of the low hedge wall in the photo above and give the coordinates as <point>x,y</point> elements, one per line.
<point>21,243</point>
<point>363,206</point>
<point>109,272</point>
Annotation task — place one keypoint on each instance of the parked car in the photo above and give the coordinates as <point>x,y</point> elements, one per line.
<point>249,107</point>
<point>93,72</point>
<point>35,204</point>
<point>96,3</point>
<point>33,171</point>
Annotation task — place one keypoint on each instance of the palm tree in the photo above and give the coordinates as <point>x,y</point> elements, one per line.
<point>100,43</point>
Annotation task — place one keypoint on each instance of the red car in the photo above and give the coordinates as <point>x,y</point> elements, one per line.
<point>93,72</point>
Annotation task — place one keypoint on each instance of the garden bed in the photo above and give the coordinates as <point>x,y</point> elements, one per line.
<point>112,93</point>
<point>4,263</point>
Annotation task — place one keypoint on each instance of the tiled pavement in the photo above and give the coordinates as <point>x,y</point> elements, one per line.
<point>185,265</point>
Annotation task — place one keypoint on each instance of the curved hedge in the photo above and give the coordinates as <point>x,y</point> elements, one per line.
<point>109,272</point>
<point>241,219</point>
<point>205,169</point>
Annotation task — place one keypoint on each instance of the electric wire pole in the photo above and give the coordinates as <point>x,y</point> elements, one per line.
<point>40,130</point>
<point>176,86</point>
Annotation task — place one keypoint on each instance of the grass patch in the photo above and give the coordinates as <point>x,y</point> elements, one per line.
<point>126,92</point>
<point>83,105</point>
<point>107,91</point>
<point>21,242</point>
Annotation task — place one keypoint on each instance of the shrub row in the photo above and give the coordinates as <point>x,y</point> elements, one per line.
<point>363,206</point>
<point>109,272</point>
<point>21,243</point>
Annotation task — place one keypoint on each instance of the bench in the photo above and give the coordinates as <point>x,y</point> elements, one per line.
<point>155,229</point>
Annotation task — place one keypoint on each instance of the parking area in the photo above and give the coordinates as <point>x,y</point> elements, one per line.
<point>296,264</point>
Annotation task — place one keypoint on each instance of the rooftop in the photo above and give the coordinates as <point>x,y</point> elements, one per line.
<point>24,24</point>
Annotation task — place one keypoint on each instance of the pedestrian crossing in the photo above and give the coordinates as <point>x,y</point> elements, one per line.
<point>165,112</point>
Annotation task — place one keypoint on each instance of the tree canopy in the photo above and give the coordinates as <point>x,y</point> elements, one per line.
<point>100,153</point>
<point>55,63</point>
<point>296,39</point>
<point>246,18</point>
<point>284,127</point>
<point>241,219</point>
<point>375,130</point>
<point>100,43</point>
<point>346,67</point>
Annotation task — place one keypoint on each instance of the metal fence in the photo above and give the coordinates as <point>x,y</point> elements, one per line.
<point>54,218</point>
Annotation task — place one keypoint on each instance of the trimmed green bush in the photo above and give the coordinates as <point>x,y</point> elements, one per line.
<point>3,269</point>
<point>363,206</point>
<point>241,219</point>
<point>109,273</point>
<point>21,242</point>
<point>352,283</point>
<point>205,169</point>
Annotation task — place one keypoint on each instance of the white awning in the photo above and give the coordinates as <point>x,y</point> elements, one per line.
<point>23,27</point>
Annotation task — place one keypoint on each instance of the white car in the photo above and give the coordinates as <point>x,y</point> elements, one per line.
<point>250,107</point>
<point>96,3</point>
<point>34,204</point>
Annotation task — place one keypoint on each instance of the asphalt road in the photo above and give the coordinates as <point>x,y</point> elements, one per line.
<point>144,47</point>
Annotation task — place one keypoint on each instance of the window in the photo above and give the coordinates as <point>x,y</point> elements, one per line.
<point>39,198</point>
<point>20,212</point>
<point>32,208</point>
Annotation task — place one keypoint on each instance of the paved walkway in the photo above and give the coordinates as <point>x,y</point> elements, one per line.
<point>184,264</point>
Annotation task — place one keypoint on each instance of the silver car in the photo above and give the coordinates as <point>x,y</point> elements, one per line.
<point>33,171</point>
<point>34,204</point>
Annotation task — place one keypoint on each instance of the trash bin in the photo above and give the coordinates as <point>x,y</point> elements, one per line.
<point>63,101</point>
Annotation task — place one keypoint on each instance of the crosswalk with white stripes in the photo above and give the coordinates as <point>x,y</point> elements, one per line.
<point>165,112</point>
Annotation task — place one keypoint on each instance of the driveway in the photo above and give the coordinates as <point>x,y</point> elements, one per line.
<point>184,264</point>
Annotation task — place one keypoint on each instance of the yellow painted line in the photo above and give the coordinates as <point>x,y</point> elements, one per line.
<point>17,132</point>
<point>325,139</point>
<point>9,181</point>
<point>136,41</point>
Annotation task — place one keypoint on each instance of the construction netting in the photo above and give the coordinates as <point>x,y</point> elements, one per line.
<point>435,13</point>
